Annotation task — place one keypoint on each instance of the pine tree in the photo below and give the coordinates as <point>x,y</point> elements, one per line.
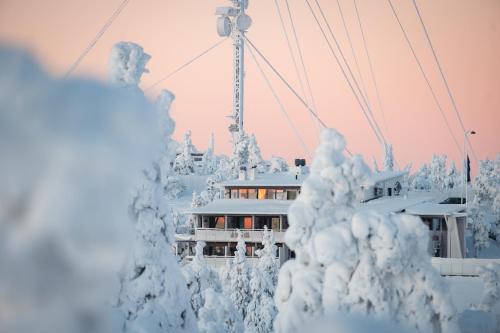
<point>200,277</point>
<point>254,155</point>
<point>362,263</point>
<point>261,310</point>
<point>421,179</point>
<point>452,180</point>
<point>388,158</point>
<point>217,314</point>
<point>184,162</point>
<point>277,164</point>
<point>239,278</point>
<point>240,154</point>
<point>438,172</point>
<point>153,293</point>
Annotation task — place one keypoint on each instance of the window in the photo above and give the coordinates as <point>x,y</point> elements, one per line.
<point>219,222</point>
<point>215,249</point>
<point>197,159</point>
<point>232,249</point>
<point>262,194</point>
<point>275,223</point>
<point>280,194</point>
<point>234,193</point>
<point>271,193</point>
<point>389,191</point>
<point>378,191</point>
<point>291,194</point>
<point>252,193</point>
<point>249,251</point>
<point>243,193</point>
<point>227,193</point>
<point>285,222</point>
<point>247,222</point>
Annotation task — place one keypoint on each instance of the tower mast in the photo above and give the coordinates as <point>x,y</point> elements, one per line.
<point>233,21</point>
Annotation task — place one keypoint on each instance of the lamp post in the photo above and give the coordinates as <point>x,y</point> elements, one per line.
<point>465,165</point>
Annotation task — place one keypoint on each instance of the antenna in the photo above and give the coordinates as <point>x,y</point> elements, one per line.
<point>232,21</point>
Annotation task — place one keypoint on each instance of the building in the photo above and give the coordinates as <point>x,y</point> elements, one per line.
<point>250,203</point>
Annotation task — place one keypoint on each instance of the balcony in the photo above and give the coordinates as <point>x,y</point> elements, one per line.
<point>231,235</point>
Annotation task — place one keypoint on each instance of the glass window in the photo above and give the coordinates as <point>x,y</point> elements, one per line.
<point>291,194</point>
<point>247,222</point>
<point>285,222</point>
<point>219,222</point>
<point>234,193</point>
<point>249,251</point>
<point>275,223</point>
<point>262,193</point>
<point>243,193</point>
<point>227,193</point>
<point>252,193</point>
<point>271,193</point>
<point>232,249</point>
<point>205,222</point>
<point>219,249</point>
<point>280,194</point>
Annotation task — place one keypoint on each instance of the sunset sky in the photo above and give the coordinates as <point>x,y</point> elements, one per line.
<point>465,33</point>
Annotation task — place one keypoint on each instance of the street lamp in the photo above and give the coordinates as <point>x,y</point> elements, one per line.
<point>465,165</point>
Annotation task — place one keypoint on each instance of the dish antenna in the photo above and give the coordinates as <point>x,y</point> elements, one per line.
<point>232,21</point>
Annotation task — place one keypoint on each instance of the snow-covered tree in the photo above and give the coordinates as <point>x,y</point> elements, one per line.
<point>254,155</point>
<point>388,158</point>
<point>217,314</point>
<point>209,162</point>
<point>421,179</point>
<point>375,165</point>
<point>184,162</point>
<point>199,277</point>
<point>153,295</point>
<point>127,64</point>
<point>261,310</point>
<point>491,291</point>
<point>239,157</point>
<point>453,178</point>
<point>363,263</point>
<point>277,164</point>
<point>238,284</point>
<point>438,172</point>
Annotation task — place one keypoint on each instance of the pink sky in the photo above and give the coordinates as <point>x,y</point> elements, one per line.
<point>466,35</point>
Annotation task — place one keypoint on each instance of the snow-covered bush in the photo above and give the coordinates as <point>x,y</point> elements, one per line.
<point>184,162</point>
<point>71,150</point>
<point>217,314</point>
<point>388,158</point>
<point>127,63</point>
<point>277,164</point>
<point>438,172</point>
<point>200,277</point>
<point>421,179</point>
<point>491,293</point>
<point>237,287</point>
<point>361,262</point>
<point>261,310</point>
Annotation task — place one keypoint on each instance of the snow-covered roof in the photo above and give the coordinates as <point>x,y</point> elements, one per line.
<point>431,208</point>
<point>284,179</point>
<point>386,175</point>
<point>394,204</point>
<point>244,207</point>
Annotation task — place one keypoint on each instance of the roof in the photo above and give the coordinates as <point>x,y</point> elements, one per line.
<point>244,207</point>
<point>431,208</point>
<point>381,176</point>
<point>394,204</point>
<point>284,179</point>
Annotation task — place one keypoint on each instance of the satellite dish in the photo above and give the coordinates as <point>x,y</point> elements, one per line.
<point>223,26</point>
<point>243,22</point>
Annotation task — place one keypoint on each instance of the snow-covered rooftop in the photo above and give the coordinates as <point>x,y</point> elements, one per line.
<point>386,175</point>
<point>394,204</point>
<point>269,179</point>
<point>244,207</point>
<point>430,208</point>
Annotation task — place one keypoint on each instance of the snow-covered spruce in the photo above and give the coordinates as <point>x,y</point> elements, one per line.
<point>254,156</point>
<point>237,285</point>
<point>127,64</point>
<point>217,314</point>
<point>199,277</point>
<point>277,164</point>
<point>420,181</point>
<point>491,279</point>
<point>438,172</point>
<point>261,310</point>
<point>453,178</point>
<point>355,262</point>
<point>154,296</point>
<point>388,158</point>
<point>184,162</point>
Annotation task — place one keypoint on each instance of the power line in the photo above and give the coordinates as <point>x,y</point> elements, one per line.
<point>282,108</point>
<point>301,57</point>
<point>285,82</point>
<point>381,141</point>
<point>94,41</point>
<point>185,64</point>
<point>443,76</point>
<point>441,111</point>
<point>372,73</point>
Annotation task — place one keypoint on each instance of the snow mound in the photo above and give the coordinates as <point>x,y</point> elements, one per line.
<point>127,63</point>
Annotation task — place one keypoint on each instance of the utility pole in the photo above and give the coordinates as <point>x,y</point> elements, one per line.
<point>232,21</point>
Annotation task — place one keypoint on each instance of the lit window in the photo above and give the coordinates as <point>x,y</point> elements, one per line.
<point>262,193</point>
<point>243,193</point>
<point>271,193</point>
<point>275,223</point>
<point>219,222</point>
<point>234,193</point>
<point>247,222</point>
<point>252,193</point>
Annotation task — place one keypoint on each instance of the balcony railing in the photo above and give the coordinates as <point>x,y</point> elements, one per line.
<point>231,235</point>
